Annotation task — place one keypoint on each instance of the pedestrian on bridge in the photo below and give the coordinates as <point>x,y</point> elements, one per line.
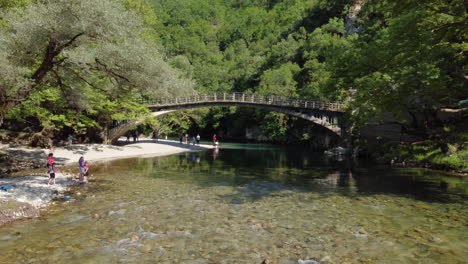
<point>214,139</point>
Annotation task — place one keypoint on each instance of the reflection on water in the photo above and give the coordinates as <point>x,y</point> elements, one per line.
<point>267,205</point>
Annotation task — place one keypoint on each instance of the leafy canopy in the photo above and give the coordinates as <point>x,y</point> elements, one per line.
<point>75,45</point>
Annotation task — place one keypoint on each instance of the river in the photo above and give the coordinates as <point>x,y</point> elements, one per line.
<point>248,205</point>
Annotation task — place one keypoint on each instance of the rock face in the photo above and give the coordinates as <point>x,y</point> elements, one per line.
<point>385,128</point>
<point>11,210</point>
<point>314,136</point>
<point>254,133</point>
<point>352,17</point>
<point>11,165</point>
<point>449,114</point>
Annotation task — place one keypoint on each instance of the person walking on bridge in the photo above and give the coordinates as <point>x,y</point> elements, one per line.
<point>214,139</point>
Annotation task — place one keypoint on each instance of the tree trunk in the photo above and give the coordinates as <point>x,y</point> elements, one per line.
<point>5,107</point>
<point>53,49</point>
<point>105,135</point>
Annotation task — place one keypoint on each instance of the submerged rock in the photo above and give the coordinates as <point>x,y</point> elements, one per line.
<point>119,212</point>
<point>11,210</point>
<point>337,151</point>
<point>300,261</point>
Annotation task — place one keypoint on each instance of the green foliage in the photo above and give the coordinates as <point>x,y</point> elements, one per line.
<point>280,81</point>
<point>409,58</point>
<point>274,126</point>
<point>173,124</point>
<point>99,63</point>
<point>7,4</point>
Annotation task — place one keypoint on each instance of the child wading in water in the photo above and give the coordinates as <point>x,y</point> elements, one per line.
<point>51,171</point>
<point>81,166</point>
<point>86,169</point>
<point>50,159</point>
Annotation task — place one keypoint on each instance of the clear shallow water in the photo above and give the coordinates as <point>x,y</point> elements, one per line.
<point>248,206</point>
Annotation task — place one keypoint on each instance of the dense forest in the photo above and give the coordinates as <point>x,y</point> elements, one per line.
<point>78,66</point>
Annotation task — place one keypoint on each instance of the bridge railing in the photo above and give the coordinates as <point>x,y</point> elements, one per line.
<point>247,98</point>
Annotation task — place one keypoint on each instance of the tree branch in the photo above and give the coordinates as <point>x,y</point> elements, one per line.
<point>109,70</point>
<point>68,43</point>
<point>88,82</point>
<point>460,24</point>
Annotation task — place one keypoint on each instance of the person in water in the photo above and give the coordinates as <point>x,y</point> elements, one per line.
<point>86,171</point>
<point>81,166</point>
<point>51,172</point>
<point>50,159</point>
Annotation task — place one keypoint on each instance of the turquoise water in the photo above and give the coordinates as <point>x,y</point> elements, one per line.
<point>270,205</point>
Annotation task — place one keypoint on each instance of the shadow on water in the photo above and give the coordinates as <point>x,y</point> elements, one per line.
<point>263,172</point>
<point>168,143</point>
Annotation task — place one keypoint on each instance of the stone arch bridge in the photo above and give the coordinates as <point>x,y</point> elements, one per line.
<point>321,113</point>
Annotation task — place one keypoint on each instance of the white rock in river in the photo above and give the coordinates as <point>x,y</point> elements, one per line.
<point>300,261</point>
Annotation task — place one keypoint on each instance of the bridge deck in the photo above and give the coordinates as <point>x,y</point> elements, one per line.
<point>241,98</point>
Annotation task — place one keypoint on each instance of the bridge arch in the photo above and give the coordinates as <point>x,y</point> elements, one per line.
<point>321,113</point>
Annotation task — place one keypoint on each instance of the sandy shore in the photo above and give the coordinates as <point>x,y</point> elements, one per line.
<point>33,189</point>
<point>96,152</point>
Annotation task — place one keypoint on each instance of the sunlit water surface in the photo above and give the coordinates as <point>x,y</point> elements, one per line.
<point>258,205</point>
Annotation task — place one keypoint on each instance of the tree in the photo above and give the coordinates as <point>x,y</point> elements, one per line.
<point>280,81</point>
<point>71,45</point>
<point>410,60</point>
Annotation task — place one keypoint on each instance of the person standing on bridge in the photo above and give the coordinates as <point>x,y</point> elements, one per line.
<point>214,139</point>
<point>198,139</point>
<point>186,138</point>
